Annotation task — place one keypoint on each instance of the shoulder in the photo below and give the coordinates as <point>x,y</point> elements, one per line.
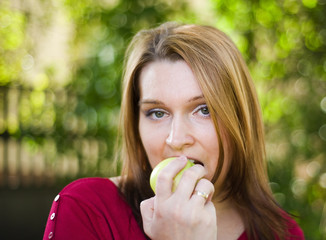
<point>89,184</point>
<point>93,191</point>
<point>294,230</point>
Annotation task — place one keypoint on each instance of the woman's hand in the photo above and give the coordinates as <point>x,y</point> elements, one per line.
<point>183,214</point>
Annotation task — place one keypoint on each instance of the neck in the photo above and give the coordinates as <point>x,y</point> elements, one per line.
<point>222,205</point>
<point>228,218</point>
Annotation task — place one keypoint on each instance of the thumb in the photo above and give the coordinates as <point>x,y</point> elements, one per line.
<point>147,211</point>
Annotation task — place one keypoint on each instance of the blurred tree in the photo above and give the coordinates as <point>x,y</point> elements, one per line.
<point>12,28</point>
<point>284,43</point>
<point>68,104</point>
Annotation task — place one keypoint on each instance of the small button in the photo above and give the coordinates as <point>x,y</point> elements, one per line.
<point>52,216</point>
<point>57,198</point>
<point>50,235</point>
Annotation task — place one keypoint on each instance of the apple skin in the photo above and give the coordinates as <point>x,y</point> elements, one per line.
<point>160,166</point>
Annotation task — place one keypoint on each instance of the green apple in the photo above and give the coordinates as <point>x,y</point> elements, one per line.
<point>160,166</point>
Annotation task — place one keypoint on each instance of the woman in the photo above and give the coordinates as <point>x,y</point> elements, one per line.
<point>187,93</point>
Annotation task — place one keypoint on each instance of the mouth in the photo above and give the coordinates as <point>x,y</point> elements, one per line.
<point>195,161</point>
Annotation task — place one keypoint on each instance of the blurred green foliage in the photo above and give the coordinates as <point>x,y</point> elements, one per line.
<point>72,118</point>
<point>12,25</point>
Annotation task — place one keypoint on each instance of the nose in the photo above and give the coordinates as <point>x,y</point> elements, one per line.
<point>180,135</point>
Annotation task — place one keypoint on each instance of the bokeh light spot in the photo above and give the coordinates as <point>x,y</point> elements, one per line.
<point>323,104</point>
<point>313,168</point>
<point>27,62</point>
<point>299,187</point>
<point>322,180</point>
<point>322,132</point>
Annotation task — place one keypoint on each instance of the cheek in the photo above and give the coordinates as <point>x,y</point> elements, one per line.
<point>153,142</point>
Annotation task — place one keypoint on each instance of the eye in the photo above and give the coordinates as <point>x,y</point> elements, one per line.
<point>158,114</point>
<point>155,114</point>
<point>202,110</point>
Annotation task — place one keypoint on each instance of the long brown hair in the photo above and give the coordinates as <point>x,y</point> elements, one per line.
<point>231,98</point>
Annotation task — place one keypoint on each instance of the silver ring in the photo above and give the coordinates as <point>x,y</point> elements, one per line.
<point>202,194</point>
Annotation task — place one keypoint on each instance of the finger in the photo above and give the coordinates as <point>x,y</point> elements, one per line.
<point>189,180</point>
<point>204,191</point>
<point>210,208</point>
<point>165,178</point>
<point>147,212</point>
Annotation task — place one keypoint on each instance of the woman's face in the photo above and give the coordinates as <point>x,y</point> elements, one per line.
<point>174,119</point>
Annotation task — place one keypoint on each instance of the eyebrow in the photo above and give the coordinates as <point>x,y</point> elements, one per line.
<point>157,102</point>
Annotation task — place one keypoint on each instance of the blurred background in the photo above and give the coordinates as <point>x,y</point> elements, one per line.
<point>60,72</point>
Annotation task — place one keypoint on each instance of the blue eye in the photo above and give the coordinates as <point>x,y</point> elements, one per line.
<point>204,110</point>
<point>158,114</point>
<point>155,114</point>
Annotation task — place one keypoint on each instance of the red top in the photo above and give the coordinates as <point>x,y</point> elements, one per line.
<point>92,208</point>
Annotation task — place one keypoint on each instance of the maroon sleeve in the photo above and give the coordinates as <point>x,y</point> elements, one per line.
<point>71,219</point>
<point>91,208</point>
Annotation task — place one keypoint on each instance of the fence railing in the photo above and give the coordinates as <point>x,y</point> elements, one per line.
<point>38,145</point>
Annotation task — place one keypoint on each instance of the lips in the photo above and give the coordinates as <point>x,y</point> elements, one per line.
<point>194,160</point>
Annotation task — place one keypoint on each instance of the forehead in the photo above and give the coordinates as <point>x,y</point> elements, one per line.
<point>168,78</point>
